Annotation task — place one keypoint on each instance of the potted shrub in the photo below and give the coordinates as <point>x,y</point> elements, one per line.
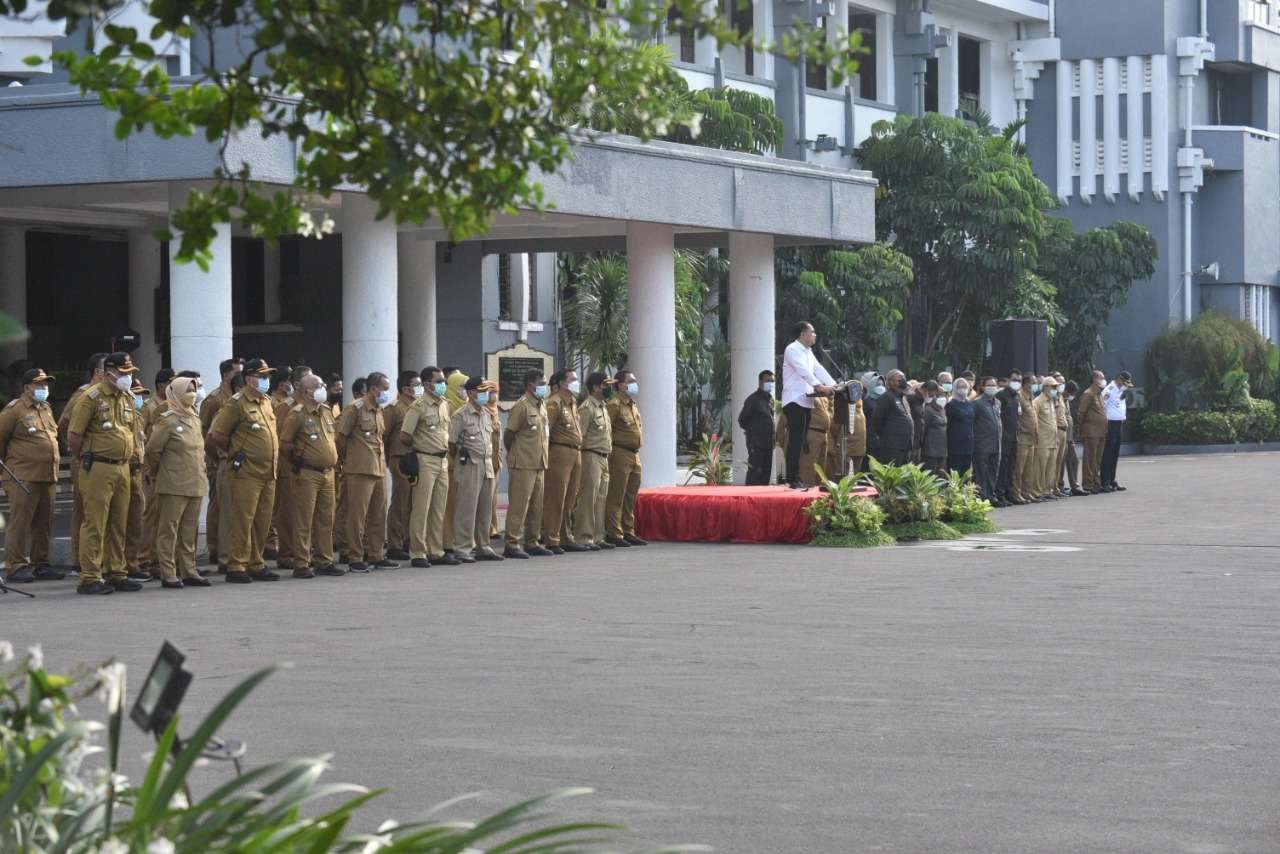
<point>843,518</point>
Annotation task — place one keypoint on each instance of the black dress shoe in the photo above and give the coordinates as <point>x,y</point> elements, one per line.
<point>125,585</point>
<point>48,573</point>
<point>538,551</point>
<point>446,559</point>
<point>21,575</point>
<point>196,581</point>
<point>330,570</point>
<point>635,541</point>
<point>618,542</point>
<point>239,578</point>
<point>303,572</point>
<point>264,575</point>
<point>591,547</point>
<point>574,547</point>
<point>95,588</point>
<point>514,552</point>
<point>605,546</point>
<point>360,568</point>
<point>488,554</point>
<point>420,563</point>
<point>139,575</point>
<point>1077,492</point>
<point>555,550</point>
<point>1118,488</point>
<point>465,557</point>
<point>171,585</point>
<point>386,564</point>
<point>397,554</point>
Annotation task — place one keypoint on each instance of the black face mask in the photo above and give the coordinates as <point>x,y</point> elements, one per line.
<point>902,385</point>
<point>335,398</point>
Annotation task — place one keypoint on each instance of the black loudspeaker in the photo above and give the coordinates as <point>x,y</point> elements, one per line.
<point>1018,344</point>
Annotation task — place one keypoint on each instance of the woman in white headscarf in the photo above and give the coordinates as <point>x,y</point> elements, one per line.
<point>175,459</point>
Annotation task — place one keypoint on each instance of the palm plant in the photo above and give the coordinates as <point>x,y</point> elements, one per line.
<point>594,309</point>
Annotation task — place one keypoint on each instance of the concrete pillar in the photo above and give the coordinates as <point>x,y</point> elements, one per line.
<point>751,327</point>
<point>704,49</point>
<point>200,304</point>
<point>271,308</point>
<point>369,290</point>
<point>949,78</point>
<point>416,272</point>
<point>13,287</point>
<point>144,281</point>
<point>651,303</point>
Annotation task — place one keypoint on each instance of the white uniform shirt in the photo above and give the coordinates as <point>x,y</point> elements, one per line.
<point>1113,397</point>
<point>800,373</point>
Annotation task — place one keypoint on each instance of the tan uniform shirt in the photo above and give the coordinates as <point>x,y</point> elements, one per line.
<point>562,417</point>
<point>175,455</point>
<point>1026,417</point>
<point>858,432</point>
<point>248,419</point>
<point>310,430</point>
<point>593,421</point>
<point>1092,416</point>
<point>527,434</point>
<point>820,417</point>
<point>105,417</point>
<point>427,421</point>
<point>208,410</point>
<point>150,412</point>
<point>29,440</point>
<point>1060,408</point>
<point>625,421</point>
<point>1046,421</point>
<point>364,427</point>
<point>472,429</point>
<point>394,416</point>
<point>64,418</point>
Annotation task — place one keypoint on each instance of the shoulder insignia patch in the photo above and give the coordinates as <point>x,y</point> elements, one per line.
<point>93,393</point>
<point>13,402</point>
<point>236,396</point>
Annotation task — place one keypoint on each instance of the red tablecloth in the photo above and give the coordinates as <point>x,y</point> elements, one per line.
<point>738,514</point>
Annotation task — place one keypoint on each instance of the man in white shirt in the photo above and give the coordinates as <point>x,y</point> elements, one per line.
<point>801,377</point>
<point>1114,402</point>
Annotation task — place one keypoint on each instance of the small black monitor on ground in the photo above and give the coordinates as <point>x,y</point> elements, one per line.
<point>163,691</point>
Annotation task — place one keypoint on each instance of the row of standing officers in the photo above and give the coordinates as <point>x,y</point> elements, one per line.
<point>291,474</point>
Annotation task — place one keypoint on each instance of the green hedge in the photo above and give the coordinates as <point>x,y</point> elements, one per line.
<point>1256,423</point>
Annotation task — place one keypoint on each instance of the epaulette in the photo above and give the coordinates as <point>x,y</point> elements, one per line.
<point>13,402</point>
<point>166,413</point>
<point>235,396</point>
<point>359,403</point>
<point>93,393</point>
<point>297,408</point>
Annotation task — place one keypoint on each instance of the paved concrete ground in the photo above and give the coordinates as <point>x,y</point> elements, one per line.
<point>1122,696</point>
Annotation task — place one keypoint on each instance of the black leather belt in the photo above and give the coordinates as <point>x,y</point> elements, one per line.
<point>597,453</point>
<point>816,430</point>
<point>566,445</point>
<point>434,453</point>
<point>625,448</point>
<point>316,468</point>
<point>97,460</point>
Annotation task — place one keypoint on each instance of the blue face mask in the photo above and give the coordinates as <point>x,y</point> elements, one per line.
<point>384,397</point>
<point>137,401</point>
<point>878,391</point>
<point>1035,388</point>
<point>768,386</point>
<point>440,388</point>
<point>540,391</point>
<point>633,388</point>
<point>40,394</point>
<point>947,387</point>
<point>263,384</point>
<point>482,397</point>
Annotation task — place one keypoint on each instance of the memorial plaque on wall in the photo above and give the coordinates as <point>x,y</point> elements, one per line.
<point>508,369</point>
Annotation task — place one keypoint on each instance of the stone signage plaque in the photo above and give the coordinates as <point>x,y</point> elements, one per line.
<point>508,368</point>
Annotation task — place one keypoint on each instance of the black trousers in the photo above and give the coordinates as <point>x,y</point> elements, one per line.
<point>895,456</point>
<point>959,462</point>
<point>986,473</point>
<point>1111,452</point>
<point>759,464</point>
<point>1070,467</point>
<point>797,429</point>
<point>1008,461</point>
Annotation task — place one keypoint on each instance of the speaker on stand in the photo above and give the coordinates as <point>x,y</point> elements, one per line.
<point>1020,344</point>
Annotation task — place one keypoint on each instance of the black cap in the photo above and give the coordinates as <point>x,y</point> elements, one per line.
<point>474,383</point>
<point>35,375</point>
<point>257,367</point>
<point>1126,376</point>
<point>120,363</point>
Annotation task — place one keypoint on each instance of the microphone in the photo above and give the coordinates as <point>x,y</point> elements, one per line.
<point>824,354</point>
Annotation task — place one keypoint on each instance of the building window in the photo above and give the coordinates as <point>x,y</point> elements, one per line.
<point>743,17</point>
<point>970,61</point>
<point>684,34</point>
<point>1259,12</point>
<point>931,86</point>
<point>504,287</point>
<point>865,23</point>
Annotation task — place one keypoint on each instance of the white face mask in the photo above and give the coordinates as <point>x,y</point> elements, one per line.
<point>124,382</point>
<point>264,384</point>
<point>417,391</point>
<point>384,397</point>
<point>768,386</point>
<point>1102,381</point>
<point>1015,385</point>
<point>320,394</point>
<point>575,387</point>
<point>200,395</point>
<point>989,391</point>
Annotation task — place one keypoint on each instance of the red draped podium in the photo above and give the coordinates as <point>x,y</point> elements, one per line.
<point>717,514</point>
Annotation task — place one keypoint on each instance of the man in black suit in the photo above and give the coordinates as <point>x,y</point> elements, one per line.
<point>757,419</point>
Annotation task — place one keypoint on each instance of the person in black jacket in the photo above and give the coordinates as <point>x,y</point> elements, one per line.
<point>757,421</point>
<point>894,426</point>
<point>987,440</point>
<point>1009,409</point>
<point>875,386</point>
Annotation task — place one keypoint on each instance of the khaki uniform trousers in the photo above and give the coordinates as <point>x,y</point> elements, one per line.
<point>624,486</point>
<point>1025,476</point>
<point>366,517</point>
<point>1093,461</point>
<point>815,454</point>
<point>451,500</point>
<point>26,540</point>
<point>311,527</point>
<point>150,522</point>
<point>1045,458</point>
<point>282,521</point>
<point>427,507</point>
<point>77,511</point>
<point>133,530</point>
<point>213,516</point>
<point>106,514</point>
<point>248,514</point>
<point>1060,459</point>
<point>564,473</point>
<point>525,489</point>
<point>588,512</point>
<point>177,529</point>
<point>473,506</point>
<point>401,509</point>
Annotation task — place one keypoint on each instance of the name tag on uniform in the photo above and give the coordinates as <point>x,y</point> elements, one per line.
<point>31,429</point>
<point>107,425</point>
<point>367,434</point>
<point>178,428</point>
<point>314,437</point>
<point>255,426</point>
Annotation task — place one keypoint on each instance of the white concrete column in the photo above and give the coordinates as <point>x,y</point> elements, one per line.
<point>200,304</point>
<point>369,291</point>
<point>762,29</point>
<point>144,281</point>
<point>704,49</point>
<point>416,272</point>
<point>651,303</point>
<point>13,287</point>
<point>886,88</point>
<point>751,327</point>
<point>838,29</point>
<point>272,311</point>
<point>949,78</point>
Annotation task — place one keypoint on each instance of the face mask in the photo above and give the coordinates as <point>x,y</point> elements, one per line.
<point>319,395</point>
<point>947,387</point>
<point>417,391</point>
<point>188,399</point>
<point>962,392</point>
<point>440,388</point>
<point>540,391</point>
<point>575,387</point>
<point>1053,392</point>
<point>1035,388</point>
<point>1070,398</point>
<point>482,397</point>
<point>384,397</point>
<point>877,391</point>
<point>768,387</point>
<point>1015,385</point>
<point>1102,381</point>
<point>40,394</point>
<point>989,391</point>
<point>124,382</point>
<point>633,388</point>
<point>137,401</point>
<point>263,384</point>
<point>286,390</point>
<point>200,395</point>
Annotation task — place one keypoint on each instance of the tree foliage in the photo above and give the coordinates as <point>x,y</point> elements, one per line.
<point>1214,362</point>
<point>437,110</point>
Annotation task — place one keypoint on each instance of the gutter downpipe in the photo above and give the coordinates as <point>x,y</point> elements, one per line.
<point>1188,91</point>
